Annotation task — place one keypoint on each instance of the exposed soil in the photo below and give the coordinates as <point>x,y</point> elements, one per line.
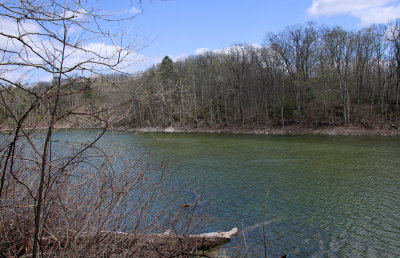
<point>290,129</point>
<point>294,129</point>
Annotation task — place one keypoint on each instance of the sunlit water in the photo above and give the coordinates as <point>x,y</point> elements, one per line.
<point>329,196</point>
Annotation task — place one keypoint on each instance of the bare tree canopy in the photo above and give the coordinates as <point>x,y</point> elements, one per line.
<point>58,198</point>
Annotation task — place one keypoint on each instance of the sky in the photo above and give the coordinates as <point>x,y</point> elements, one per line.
<point>180,28</point>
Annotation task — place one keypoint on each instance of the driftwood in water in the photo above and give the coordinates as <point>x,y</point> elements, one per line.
<point>117,244</point>
<point>171,244</point>
<point>201,241</point>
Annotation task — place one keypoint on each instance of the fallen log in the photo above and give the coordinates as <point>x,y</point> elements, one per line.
<point>117,244</point>
<point>205,240</point>
<point>172,244</point>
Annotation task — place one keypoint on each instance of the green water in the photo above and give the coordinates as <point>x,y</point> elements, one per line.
<point>329,196</point>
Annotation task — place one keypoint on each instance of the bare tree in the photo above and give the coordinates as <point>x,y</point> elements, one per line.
<point>56,197</point>
<point>340,48</point>
<point>295,46</point>
<point>393,36</point>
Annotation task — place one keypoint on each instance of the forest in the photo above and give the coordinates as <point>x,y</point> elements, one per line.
<point>63,196</point>
<point>305,74</point>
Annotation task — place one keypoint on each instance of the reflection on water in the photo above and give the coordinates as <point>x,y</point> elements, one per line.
<point>329,196</point>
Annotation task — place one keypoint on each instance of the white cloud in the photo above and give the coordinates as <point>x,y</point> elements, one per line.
<point>10,28</point>
<point>201,51</point>
<point>135,10</point>
<point>229,50</point>
<point>379,14</point>
<point>77,15</point>
<point>48,50</point>
<point>368,11</point>
<point>90,53</point>
<point>226,50</point>
<point>179,57</point>
<point>332,7</point>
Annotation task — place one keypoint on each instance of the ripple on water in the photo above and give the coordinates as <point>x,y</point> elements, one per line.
<point>329,196</point>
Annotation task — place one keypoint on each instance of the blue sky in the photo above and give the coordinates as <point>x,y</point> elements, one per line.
<point>180,27</point>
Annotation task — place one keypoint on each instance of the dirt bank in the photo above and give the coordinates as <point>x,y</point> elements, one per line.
<point>292,129</point>
<point>287,130</point>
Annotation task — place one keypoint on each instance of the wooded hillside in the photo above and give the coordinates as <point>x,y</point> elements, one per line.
<point>309,74</point>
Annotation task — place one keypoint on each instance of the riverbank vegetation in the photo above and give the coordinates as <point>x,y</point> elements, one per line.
<point>60,198</point>
<point>308,75</point>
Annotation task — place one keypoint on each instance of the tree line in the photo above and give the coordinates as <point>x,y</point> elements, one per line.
<point>59,198</point>
<point>63,197</point>
<point>307,74</point>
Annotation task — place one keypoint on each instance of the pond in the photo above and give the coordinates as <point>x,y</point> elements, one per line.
<point>327,195</point>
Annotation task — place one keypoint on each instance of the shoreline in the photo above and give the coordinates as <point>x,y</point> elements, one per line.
<point>350,130</point>
<point>341,130</point>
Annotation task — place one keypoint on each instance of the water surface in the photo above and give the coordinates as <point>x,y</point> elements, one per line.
<point>330,196</point>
